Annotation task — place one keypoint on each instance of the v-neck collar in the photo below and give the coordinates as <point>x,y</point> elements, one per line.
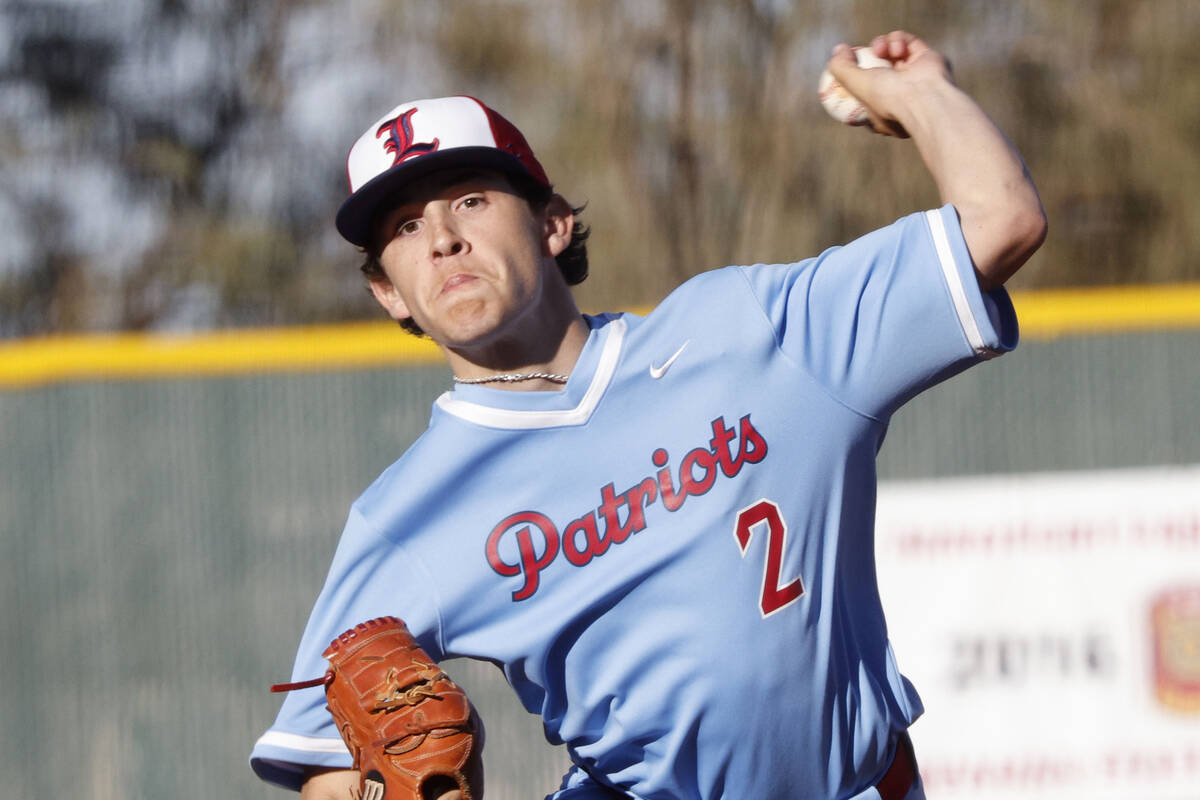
<point>572,405</point>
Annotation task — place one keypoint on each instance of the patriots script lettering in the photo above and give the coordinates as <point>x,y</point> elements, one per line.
<point>619,516</point>
<point>399,142</point>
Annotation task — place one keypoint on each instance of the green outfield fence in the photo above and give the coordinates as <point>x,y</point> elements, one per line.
<point>169,508</point>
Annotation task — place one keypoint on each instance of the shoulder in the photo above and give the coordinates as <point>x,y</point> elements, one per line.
<point>914,235</point>
<point>407,477</point>
<point>716,291</point>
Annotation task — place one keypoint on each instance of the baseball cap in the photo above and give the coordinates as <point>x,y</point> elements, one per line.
<point>417,138</point>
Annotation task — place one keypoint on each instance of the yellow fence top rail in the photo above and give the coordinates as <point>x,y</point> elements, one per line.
<point>37,361</point>
<point>1054,312</point>
<point>53,359</point>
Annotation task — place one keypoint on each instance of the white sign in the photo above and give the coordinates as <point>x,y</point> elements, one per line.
<point>1051,624</point>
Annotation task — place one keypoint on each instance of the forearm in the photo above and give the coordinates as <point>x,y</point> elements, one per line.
<point>979,171</point>
<point>338,784</point>
<point>975,166</point>
<point>343,784</point>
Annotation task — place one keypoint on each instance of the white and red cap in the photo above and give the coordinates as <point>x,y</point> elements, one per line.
<point>417,138</point>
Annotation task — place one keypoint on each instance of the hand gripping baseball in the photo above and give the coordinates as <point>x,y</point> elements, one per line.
<point>887,94</point>
<point>409,727</point>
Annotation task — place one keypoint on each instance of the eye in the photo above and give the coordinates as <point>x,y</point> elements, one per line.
<point>408,227</point>
<point>471,201</point>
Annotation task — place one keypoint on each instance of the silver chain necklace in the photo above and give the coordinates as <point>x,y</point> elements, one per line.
<point>513,377</point>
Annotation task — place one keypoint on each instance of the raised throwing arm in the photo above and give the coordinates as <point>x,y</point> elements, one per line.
<point>975,166</point>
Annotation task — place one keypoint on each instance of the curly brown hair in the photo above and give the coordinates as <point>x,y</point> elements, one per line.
<point>572,261</point>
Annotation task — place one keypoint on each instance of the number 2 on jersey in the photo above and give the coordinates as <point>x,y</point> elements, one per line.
<point>765,513</point>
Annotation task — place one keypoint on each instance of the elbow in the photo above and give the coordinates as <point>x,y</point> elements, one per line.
<point>1030,227</point>
<point>1024,230</point>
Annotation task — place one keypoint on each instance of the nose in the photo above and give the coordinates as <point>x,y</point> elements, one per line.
<point>446,240</point>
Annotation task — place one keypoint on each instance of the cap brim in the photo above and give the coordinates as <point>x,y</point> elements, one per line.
<point>356,218</point>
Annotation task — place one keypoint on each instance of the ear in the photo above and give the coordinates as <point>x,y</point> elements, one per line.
<point>559,224</point>
<point>387,296</point>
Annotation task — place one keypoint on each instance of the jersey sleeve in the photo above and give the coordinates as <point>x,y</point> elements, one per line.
<point>370,577</point>
<point>888,315</point>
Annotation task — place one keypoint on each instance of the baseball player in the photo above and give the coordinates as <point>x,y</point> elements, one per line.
<point>660,528</point>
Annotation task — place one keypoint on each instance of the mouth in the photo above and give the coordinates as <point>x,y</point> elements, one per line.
<point>457,281</point>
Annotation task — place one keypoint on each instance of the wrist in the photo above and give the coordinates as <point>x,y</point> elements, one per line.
<point>927,102</point>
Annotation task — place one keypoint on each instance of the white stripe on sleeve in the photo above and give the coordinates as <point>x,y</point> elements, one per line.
<point>304,744</point>
<point>958,292</point>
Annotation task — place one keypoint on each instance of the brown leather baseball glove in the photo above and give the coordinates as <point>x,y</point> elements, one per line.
<point>410,729</point>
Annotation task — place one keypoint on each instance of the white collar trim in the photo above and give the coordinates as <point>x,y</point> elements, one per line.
<point>514,419</point>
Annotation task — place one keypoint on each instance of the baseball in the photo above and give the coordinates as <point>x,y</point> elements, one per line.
<point>841,105</point>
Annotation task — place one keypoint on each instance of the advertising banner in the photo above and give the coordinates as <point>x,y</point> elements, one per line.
<point>1051,623</point>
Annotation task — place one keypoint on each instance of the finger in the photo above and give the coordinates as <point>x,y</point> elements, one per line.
<point>843,54</point>
<point>885,127</point>
<point>889,46</point>
<point>898,46</point>
<point>843,65</point>
<point>917,46</point>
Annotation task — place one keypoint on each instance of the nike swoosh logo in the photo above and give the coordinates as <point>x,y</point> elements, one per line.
<point>658,372</point>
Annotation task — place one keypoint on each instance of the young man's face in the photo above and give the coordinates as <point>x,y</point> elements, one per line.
<point>466,256</point>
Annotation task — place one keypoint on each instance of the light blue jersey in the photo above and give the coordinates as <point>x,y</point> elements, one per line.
<point>672,558</point>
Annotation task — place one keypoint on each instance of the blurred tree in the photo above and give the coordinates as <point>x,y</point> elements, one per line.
<point>130,162</point>
<point>176,163</point>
